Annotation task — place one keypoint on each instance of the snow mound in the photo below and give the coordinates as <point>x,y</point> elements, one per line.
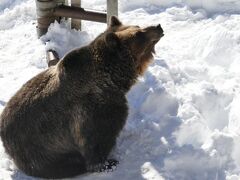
<point>70,38</point>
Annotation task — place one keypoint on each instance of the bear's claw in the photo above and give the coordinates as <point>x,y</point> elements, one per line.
<point>108,166</point>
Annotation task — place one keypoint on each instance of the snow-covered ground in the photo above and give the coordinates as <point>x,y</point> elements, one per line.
<point>184,121</point>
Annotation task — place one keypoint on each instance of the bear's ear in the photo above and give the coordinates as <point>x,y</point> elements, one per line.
<point>112,40</point>
<point>115,21</point>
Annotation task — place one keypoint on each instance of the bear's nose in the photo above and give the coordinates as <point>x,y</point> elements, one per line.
<point>158,27</point>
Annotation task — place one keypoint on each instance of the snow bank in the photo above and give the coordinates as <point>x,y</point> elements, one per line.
<point>210,6</point>
<point>17,16</point>
<point>184,118</point>
<point>22,56</point>
<point>5,5</point>
<point>155,6</point>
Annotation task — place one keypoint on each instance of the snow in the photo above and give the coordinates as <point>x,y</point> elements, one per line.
<point>184,117</point>
<point>70,38</point>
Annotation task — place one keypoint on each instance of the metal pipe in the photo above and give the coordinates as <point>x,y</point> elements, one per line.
<point>79,13</point>
<point>52,57</point>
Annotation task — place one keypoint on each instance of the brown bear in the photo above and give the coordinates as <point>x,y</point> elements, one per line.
<point>65,121</point>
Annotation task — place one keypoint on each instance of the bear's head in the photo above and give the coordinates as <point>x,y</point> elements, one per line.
<point>116,57</point>
<point>139,41</point>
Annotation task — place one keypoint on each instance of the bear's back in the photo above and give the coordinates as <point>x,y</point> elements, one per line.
<point>25,114</point>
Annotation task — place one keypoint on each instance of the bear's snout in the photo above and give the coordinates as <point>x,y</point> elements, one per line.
<point>154,32</point>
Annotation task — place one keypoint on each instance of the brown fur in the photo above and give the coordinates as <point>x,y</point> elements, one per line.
<point>65,121</point>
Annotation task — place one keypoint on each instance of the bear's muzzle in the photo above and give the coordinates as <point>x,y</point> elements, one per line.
<point>154,33</point>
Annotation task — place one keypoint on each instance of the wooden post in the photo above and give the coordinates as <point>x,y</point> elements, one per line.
<point>45,16</point>
<point>76,23</point>
<point>50,10</point>
<point>112,9</point>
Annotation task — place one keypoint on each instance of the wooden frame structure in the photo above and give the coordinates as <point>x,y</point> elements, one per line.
<point>50,10</point>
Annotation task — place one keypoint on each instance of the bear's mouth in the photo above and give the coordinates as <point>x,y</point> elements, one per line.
<point>155,41</point>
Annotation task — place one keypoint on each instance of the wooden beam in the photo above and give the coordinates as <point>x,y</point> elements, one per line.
<point>79,13</point>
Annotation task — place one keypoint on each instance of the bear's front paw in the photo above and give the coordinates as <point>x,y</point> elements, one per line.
<point>108,166</point>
